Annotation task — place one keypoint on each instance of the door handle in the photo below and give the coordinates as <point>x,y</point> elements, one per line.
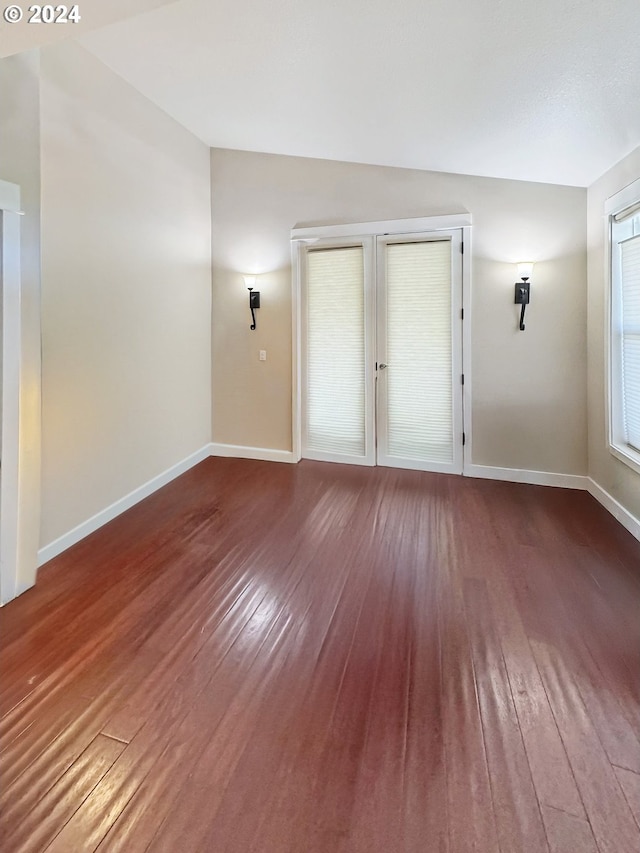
<point>383,366</point>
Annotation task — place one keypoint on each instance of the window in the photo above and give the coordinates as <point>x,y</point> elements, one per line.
<point>624,337</point>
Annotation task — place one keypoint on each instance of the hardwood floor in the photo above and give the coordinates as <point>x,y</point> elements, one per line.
<point>316,658</point>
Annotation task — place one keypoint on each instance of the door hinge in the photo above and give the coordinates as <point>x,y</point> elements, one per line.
<point>462,313</point>
<point>464,439</point>
<point>462,248</point>
<point>462,378</point>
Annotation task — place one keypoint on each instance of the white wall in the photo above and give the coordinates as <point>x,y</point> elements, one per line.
<point>125,289</point>
<point>620,481</point>
<point>20,164</point>
<point>529,387</point>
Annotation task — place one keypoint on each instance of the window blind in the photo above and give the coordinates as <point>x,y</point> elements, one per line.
<point>335,363</point>
<point>630,274</point>
<point>419,351</point>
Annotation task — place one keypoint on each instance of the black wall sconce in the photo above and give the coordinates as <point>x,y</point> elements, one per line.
<point>522,288</point>
<point>254,299</point>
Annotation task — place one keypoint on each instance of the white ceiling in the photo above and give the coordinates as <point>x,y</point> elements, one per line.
<point>547,90</point>
<point>16,37</point>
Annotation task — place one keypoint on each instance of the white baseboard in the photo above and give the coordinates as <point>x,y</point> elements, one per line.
<point>48,552</point>
<point>565,481</point>
<point>514,475</point>
<point>535,478</point>
<point>616,509</point>
<point>237,451</point>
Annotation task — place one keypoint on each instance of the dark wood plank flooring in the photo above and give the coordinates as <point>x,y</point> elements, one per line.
<point>264,658</point>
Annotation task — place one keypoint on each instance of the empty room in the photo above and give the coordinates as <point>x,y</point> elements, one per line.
<point>320,447</point>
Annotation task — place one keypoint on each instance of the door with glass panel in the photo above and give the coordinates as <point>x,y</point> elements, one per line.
<point>338,355</point>
<point>382,352</point>
<point>419,351</point>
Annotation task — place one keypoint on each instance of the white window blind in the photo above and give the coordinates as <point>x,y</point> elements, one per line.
<point>335,357</point>
<point>630,292</point>
<point>419,351</point>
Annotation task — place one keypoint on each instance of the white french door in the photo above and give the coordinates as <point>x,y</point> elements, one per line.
<point>382,351</point>
<point>419,352</point>
<point>338,352</point>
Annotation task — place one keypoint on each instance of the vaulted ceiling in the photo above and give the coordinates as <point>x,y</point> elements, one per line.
<point>92,14</point>
<point>543,91</point>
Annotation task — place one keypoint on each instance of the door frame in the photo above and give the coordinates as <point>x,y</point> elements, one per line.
<point>20,478</point>
<point>302,237</point>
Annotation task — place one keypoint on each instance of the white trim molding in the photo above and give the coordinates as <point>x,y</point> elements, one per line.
<point>296,351</point>
<point>534,478</point>
<point>10,197</point>
<point>14,571</point>
<point>624,204</point>
<point>622,199</point>
<point>626,519</point>
<point>20,435</point>
<point>562,481</point>
<point>467,360</point>
<point>514,475</point>
<point>383,228</point>
<point>264,454</point>
<point>48,552</point>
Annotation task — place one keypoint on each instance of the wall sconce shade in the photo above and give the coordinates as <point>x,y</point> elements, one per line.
<point>254,298</point>
<point>525,268</point>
